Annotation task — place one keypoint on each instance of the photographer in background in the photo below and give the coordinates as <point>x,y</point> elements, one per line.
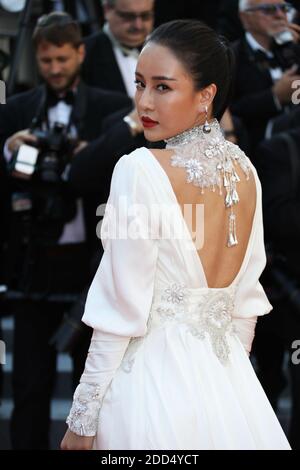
<point>268,62</point>
<point>52,231</point>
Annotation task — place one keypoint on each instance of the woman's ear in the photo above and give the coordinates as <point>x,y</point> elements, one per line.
<point>206,97</point>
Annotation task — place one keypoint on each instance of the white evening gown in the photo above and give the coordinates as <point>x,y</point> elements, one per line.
<point>171,368</point>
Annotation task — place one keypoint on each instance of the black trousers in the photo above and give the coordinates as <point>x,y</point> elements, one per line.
<point>34,373</point>
<point>34,359</point>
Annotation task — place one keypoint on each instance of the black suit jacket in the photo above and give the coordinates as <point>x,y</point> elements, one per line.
<point>252,100</point>
<point>20,110</point>
<point>287,121</point>
<point>89,164</point>
<point>100,68</point>
<point>280,178</point>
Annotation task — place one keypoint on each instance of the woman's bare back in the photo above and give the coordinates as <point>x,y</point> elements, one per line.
<point>220,263</point>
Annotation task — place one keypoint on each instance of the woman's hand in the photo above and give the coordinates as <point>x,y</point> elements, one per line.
<point>72,441</point>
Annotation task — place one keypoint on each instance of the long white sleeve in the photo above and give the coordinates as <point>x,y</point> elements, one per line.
<point>120,296</point>
<point>251,300</point>
<point>104,356</point>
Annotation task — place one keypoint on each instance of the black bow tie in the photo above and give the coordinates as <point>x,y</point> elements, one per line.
<point>130,51</point>
<point>53,98</point>
<point>262,58</point>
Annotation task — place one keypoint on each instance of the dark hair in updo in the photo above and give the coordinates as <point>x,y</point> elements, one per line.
<point>204,54</point>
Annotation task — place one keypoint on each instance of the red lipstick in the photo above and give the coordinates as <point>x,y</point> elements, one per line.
<point>147,122</point>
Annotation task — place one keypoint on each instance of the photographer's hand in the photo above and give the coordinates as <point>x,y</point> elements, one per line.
<point>295,30</point>
<point>19,138</point>
<point>80,146</point>
<point>134,123</point>
<point>283,88</point>
<point>72,441</point>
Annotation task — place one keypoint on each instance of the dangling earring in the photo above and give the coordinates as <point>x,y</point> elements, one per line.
<point>206,127</point>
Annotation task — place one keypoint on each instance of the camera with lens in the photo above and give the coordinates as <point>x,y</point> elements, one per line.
<point>47,159</point>
<point>41,198</point>
<point>286,51</point>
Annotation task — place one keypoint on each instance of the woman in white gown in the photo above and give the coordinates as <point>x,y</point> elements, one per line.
<point>175,299</point>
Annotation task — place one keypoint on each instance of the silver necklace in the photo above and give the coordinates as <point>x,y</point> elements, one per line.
<point>209,161</point>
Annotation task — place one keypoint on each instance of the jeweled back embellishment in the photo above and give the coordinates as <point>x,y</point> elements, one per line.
<point>209,161</point>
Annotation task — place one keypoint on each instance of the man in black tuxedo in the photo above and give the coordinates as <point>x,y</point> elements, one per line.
<point>262,88</point>
<point>111,55</point>
<point>110,63</point>
<point>53,231</point>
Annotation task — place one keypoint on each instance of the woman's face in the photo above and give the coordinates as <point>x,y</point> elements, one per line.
<point>166,99</point>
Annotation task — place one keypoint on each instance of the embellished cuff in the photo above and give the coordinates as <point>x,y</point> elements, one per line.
<point>83,416</point>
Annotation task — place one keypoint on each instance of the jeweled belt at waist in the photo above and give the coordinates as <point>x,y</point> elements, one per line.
<point>206,312</point>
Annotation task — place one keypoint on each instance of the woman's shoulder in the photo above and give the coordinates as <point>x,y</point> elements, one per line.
<point>140,169</point>
<point>132,158</point>
<point>130,165</point>
<point>139,160</point>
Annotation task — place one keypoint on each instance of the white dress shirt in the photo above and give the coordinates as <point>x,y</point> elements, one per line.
<point>276,73</point>
<point>126,59</point>
<point>127,66</point>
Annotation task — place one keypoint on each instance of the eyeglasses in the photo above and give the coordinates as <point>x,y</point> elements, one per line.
<point>269,10</point>
<point>130,17</point>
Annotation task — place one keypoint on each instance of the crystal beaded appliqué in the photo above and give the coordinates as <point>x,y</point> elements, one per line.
<point>83,416</point>
<point>215,319</point>
<point>209,161</point>
<point>210,316</point>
